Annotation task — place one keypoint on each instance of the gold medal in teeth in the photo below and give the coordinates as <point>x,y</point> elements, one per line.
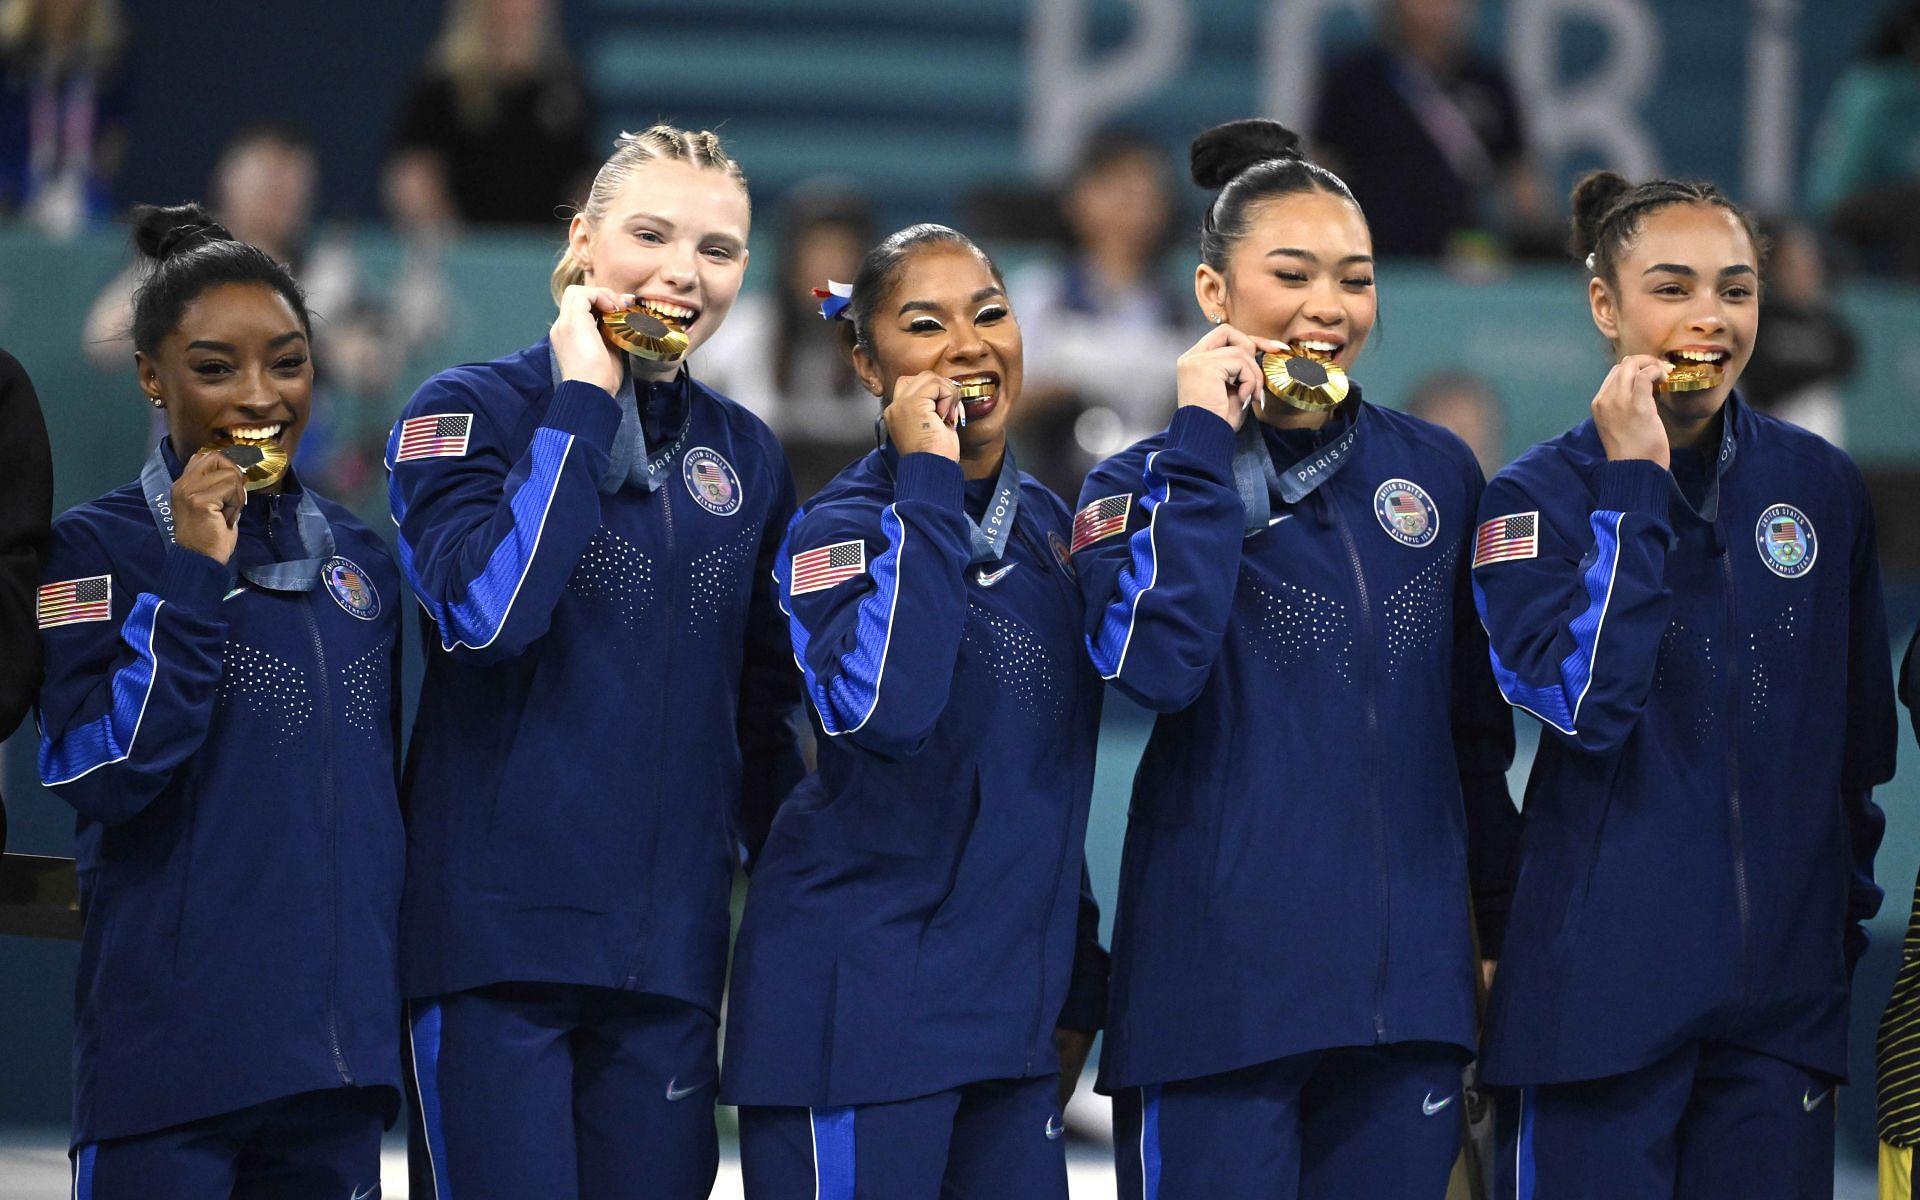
<point>974,389</point>
<point>1690,376</point>
<point>639,331</point>
<point>261,462</point>
<point>1306,379</point>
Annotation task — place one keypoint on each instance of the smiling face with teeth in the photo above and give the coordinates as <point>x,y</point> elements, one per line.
<point>948,313</point>
<point>1303,274</point>
<point>1686,292</point>
<point>236,367</point>
<point>674,236</point>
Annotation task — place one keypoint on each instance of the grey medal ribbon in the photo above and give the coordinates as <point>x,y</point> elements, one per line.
<point>990,538</point>
<point>296,575</point>
<point>627,460</point>
<point>1257,480</point>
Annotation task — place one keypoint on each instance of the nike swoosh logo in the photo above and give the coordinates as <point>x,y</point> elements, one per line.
<point>230,595</point>
<point>1054,1129</point>
<point>674,1093</point>
<point>1428,1107</point>
<point>369,1194</point>
<point>989,578</point>
<point>1809,1101</point>
<point>1276,520</point>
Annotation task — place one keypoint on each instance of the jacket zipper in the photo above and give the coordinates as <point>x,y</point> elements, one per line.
<point>331,815</point>
<point>1363,659</point>
<point>1736,826</point>
<point>670,572</point>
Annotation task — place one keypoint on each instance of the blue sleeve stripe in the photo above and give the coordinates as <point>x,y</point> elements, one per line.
<point>477,620</point>
<point>833,1153</point>
<point>1558,704</point>
<point>1108,647</point>
<point>1525,1174</point>
<point>109,738</point>
<point>423,1040</point>
<point>849,700</point>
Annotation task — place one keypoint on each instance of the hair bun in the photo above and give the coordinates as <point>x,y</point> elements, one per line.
<point>1592,197</point>
<point>1226,150</point>
<point>161,232</point>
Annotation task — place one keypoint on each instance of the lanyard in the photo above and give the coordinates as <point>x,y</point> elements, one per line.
<point>297,575</point>
<point>628,460</point>
<point>990,540</point>
<point>1257,480</point>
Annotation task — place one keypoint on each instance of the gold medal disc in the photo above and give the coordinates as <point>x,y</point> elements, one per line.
<point>1304,381</point>
<point>1690,377</point>
<point>262,463</point>
<point>639,332</point>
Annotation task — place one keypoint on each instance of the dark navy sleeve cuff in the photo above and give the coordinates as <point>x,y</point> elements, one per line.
<point>1205,435</point>
<point>932,478</point>
<point>1632,485</point>
<point>193,581</point>
<point>584,410</point>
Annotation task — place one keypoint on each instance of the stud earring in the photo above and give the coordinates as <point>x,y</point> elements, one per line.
<point>1216,318</point>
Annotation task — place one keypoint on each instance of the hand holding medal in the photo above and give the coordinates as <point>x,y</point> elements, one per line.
<point>923,415</point>
<point>1222,372</point>
<point>207,501</point>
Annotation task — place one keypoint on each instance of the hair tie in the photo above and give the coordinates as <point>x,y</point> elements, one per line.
<point>835,300</point>
<point>1590,269</point>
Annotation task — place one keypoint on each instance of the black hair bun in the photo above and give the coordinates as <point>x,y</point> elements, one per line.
<point>160,232</point>
<point>1592,197</point>
<point>1226,150</point>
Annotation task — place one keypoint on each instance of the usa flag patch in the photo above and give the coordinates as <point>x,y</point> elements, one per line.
<point>1507,539</point>
<point>1101,519</point>
<point>822,568</point>
<point>440,435</point>
<point>74,601</point>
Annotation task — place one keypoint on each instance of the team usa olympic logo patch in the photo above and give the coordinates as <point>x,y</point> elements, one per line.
<point>1407,513</point>
<point>350,587</point>
<point>1786,540</point>
<point>712,482</point>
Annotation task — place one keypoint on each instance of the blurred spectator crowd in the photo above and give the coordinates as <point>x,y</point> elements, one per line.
<point>499,128</point>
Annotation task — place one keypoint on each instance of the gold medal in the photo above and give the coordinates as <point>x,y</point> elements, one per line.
<point>1689,376</point>
<point>1305,379</point>
<point>641,332</point>
<point>974,389</point>
<point>261,462</point>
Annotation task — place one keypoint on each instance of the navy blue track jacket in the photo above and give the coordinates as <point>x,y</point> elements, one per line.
<point>1296,873</point>
<point>1713,680</point>
<point>232,757</point>
<point>912,924</point>
<point>609,715</point>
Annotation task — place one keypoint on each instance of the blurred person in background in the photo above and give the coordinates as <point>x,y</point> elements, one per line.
<point>773,355</point>
<point>1102,301</point>
<point>221,709</point>
<point>1428,134</point>
<point>1464,403</point>
<point>1896,1066</point>
<point>1797,370</point>
<point>63,111</point>
<point>26,507</point>
<point>498,128</point>
<point>1863,175</point>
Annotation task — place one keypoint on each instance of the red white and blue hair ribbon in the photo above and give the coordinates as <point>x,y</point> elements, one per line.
<point>834,300</point>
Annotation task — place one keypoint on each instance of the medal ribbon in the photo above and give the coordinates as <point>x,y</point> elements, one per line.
<point>296,575</point>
